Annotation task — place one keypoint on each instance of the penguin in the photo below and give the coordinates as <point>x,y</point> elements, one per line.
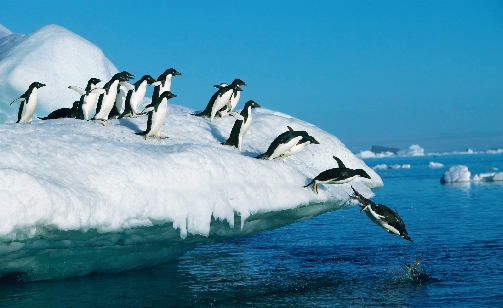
<point>338,175</point>
<point>29,102</point>
<point>88,96</point>
<point>107,99</point>
<point>233,102</point>
<point>382,215</point>
<point>120,102</point>
<point>282,144</point>
<point>220,99</point>
<point>135,96</point>
<point>241,126</point>
<point>156,115</point>
<point>165,79</point>
<point>415,273</point>
<point>301,145</point>
<point>75,112</point>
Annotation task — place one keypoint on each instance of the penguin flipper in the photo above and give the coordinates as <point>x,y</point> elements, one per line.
<point>289,128</point>
<point>21,99</point>
<point>339,162</point>
<point>77,89</point>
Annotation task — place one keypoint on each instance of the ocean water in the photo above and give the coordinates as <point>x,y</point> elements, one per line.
<point>336,259</point>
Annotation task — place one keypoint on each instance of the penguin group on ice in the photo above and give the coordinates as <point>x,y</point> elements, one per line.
<point>118,99</point>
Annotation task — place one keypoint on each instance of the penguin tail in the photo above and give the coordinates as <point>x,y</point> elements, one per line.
<point>143,133</point>
<point>44,118</point>
<point>262,156</point>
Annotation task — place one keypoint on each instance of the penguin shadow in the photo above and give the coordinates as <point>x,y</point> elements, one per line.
<point>215,132</point>
<point>130,124</point>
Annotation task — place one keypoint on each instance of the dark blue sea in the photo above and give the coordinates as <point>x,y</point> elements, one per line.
<point>336,259</point>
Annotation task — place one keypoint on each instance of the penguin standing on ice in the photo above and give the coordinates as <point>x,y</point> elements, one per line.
<point>88,96</point>
<point>337,175</point>
<point>283,143</point>
<point>165,79</point>
<point>74,112</point>
<point>29,102</point>
<point>120,102</point>
<point>382,215</point>
<point>156,114</point>
<point>232,104</point>
<point>135,96</point>
<point>241,126</point>
<point>106,100</point>
<point>301,145</point>
<point>220,99</point>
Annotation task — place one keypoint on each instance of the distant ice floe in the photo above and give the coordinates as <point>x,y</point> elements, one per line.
<point>435,165</point>
<point>460,174</point>
<point>413,150</point>
<point>393,166</point>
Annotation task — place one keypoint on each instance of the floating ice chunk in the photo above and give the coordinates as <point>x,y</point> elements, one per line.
<point>413,150</point>
<point>370,154</point>
<point>488,177</point>
<point>380,167</point>
<point>456,174</point>
<point>398,166</point>
<point>435,165</point>
<point>51,55</point>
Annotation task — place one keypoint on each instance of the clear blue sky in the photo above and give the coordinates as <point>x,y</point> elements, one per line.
<point>369,72</point>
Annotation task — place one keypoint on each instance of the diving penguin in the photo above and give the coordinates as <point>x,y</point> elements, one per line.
<point>74,112</point>
<point>382,215</point>
<point>107,99</point>
<point>135,96</point>
<point>220,99</point>
<point>301,145</point>
<point>338,175</point>
<point>88,96</point>
<point>415,271</point>
<point>283,143</point>
<point>241,126</point>
<point>28,104</point>
<point>156,115</point>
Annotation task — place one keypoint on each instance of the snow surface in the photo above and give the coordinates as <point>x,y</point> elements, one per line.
<point>435,165</point>
<point>51,55</point>
<point>456,174</point>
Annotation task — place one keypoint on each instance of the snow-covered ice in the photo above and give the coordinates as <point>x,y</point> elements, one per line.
<point>51,55</point>
<point>78,197</point>
<point>435,165</point>
<point>413,150</point>
<point>456,174</point>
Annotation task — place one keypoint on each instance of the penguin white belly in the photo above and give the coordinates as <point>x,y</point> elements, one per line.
<point>29,107</point>
<point>137,96</point>
<point>296,149</point>
<point>158,118</point>
<point>340,181</point>
<point>88,104</point>
<point>378,220</point>
<point>167,85</point>
<point>233,102</point>
<point>219,103</point>
<point>120,99</point>
<point>247,123</point>
<point>282,148</point>
<point>108,102</point>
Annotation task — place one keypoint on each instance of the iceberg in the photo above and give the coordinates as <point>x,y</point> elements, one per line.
<point>435,165</point>
<point>51,55</point>
<point>488,177</point>
<point>456,174</point>
<point>413,150</point>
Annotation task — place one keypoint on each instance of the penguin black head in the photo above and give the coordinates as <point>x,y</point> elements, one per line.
<point>169,71</point>
<point>251,104</point>
<point>94,81</point>
<point>149,79</point>
<point>167,95</point>
<point>362,173</point>
<point>37,85</point>
<point>310,139</point>
<point>125,76</point>
<point>238,82</point>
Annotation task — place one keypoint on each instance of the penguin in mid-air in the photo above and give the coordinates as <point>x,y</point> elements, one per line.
<point>241,125</point>
<point>220,99</point>
<point>382,215</point>
<point>156,114</point>
<point>106,100</point>
<point>88,96</point>
<point>301,145</point>
<point>135,96</point>
<point>29,102</point>
<point>338,175</point>
<point>74,112</point>
<point>283,143</point>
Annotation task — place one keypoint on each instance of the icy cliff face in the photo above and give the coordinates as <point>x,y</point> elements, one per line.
<point>51,55</point>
